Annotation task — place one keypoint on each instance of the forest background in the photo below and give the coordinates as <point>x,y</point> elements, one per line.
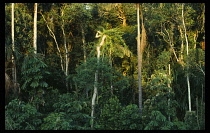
<point>74,66</point>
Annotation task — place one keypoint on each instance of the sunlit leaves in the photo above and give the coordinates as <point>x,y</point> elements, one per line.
<point>115,45</point>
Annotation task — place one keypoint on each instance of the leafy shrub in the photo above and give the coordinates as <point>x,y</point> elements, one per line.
<point>33,71</point>
<point>56,121</point>
<point>21,116</point>
<point>190,120</point>
<point>159,110</point>
<point>158,122</point>
<point>69,114</point>
<point>130,118</point>
<point>107,77</point>
<point>109,117</point>
<point>115,117</point>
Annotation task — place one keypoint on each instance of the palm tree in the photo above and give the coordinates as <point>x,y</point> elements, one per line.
<point>113,45</point>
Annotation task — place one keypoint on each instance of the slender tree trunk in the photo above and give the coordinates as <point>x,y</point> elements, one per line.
<point>66,52</point>
<point>188,82</point>
<point>195,39</point>
<point>141,44</point>
<point>110,61</point>
<point>95,92</point>
<point>13,30</point>
<point>84,44</point>
<point>13,45</point>
<point>182,46</point>
<point>53,36</point>
<point>14,73</point>
<point>139,59</point>
<point>197,113</point>
<point>171,45</point>
<point>35,28</point>
<point>169,73</point>
<point>84,50</point>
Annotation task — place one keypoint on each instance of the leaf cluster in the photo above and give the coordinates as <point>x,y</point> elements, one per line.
<point>114,116</point>
<point>33,72</point>
<point>68,115</point>
<point>21,116</point>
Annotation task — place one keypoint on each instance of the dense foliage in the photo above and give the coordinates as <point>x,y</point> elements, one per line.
<point>88,47</point>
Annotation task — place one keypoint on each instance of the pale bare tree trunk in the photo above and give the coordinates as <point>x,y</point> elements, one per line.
<point>14,73</point>
<point>188,82</point>
<point>35,28</point>
<point>84,44</point>
<point>66,52</point>
<point>110,61</point>
<point>139,59</point>
<point>53,36</point>
<point>13,30</point>
<point>13,46</point>
<point>141,44</point>
<point>195,39</point>
<point>182,45</point>
<point>95,92</point>
<point>169,73</point>
<point>170,41</point>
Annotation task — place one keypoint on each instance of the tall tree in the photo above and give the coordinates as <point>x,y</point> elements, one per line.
<point>13,45</point>
<point>139,59</point>
<point>52,34</point>
<point>113,44</point>
<point>188,82</point>
<point>95,92</point>
<point>65,46</point>
<point>84,43</point>
<point>141,44</point>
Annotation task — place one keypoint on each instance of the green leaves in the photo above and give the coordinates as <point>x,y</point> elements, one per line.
<point>69,113</point>
<point>34,84</point>
<point>115,117</point>
<point>190,120</point>
<point>43,84</point>
<point>163,86</point>
<point>33,73</point>
<point>115,45</point>
<point>158,122</point>
<point>21,116</point>
<point>158,116</point>
<point>55,121</point>
<point>110,113</point>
